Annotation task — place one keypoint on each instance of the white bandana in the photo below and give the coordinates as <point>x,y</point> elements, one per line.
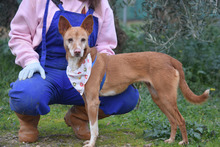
<point>80,76</point>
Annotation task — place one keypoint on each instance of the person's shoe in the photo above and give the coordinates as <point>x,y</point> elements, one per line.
<point>28,128</point>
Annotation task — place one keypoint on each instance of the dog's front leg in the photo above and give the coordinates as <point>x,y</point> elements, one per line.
<point>92,104</point>
<point>91,97</point>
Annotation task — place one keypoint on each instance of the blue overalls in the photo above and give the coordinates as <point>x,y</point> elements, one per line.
<point>33,96</point>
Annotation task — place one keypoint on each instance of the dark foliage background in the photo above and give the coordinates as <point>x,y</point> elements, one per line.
<point>8,9</point>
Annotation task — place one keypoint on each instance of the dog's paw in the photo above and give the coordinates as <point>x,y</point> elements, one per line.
<point>183,142</point>
<point>88,144</point>
<point>169,140</point>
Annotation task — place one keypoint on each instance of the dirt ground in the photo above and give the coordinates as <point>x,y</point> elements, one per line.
<point>58,140</point>
<point>11,140</point>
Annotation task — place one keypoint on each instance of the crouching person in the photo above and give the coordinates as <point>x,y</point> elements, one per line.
<point>38,46</point>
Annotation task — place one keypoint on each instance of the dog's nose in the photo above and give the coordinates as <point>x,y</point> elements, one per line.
<point>77,52</point>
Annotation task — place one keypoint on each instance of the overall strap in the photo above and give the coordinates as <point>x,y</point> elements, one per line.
<point>103,81</point>
<point>44,51</point>
<point>90,11</point>
<point>58,3</point>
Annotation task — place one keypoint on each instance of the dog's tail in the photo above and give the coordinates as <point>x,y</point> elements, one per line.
<point>187,92</point>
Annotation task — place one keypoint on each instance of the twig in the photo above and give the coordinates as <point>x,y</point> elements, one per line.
<point>164,44</point>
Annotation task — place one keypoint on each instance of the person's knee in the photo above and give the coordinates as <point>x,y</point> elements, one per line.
<point>27,98</point>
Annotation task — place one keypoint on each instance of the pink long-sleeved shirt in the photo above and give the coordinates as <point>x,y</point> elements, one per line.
<point>26,27</point>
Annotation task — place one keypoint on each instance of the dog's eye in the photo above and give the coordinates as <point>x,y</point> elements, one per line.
<point>70,40</point>
<point>83,40</point>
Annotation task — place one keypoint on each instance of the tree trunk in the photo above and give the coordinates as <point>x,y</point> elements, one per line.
<point>121,35</point>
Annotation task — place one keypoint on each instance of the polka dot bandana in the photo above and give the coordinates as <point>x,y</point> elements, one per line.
<point>79,77</point>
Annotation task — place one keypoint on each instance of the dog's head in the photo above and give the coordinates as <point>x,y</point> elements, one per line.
<point>76,38</point>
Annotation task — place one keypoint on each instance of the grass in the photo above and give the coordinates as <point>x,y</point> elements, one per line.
<point>145,126</point>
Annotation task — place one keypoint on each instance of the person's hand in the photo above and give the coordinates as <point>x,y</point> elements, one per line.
<point>30,69</point>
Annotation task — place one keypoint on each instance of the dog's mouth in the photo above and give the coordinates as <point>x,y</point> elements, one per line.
<point>77,54</point>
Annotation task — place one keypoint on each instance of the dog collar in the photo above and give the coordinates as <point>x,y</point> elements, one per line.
<point>94,61</point>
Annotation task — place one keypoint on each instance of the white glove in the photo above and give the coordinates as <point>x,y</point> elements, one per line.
<point>30,69</point>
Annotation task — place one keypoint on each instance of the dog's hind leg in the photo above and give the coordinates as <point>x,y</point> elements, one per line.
<point>173,123</point>
<point>164,91</point>
<point>169,104</point>
<point>167,93</point>
<point>171,119</point>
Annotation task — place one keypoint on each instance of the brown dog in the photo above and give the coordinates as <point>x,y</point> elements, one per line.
<point>161,73</point>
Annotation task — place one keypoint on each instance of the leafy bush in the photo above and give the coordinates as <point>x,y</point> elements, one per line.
<point>168,21</point>
<point>195,131</point>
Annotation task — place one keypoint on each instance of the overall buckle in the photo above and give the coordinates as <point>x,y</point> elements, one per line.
<point>57,2</point>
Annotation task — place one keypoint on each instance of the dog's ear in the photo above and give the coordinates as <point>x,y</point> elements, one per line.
<point>87,24</point>
<point>64,25</point>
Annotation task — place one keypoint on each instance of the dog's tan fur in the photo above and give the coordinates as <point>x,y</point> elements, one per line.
<point>161,73</point>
